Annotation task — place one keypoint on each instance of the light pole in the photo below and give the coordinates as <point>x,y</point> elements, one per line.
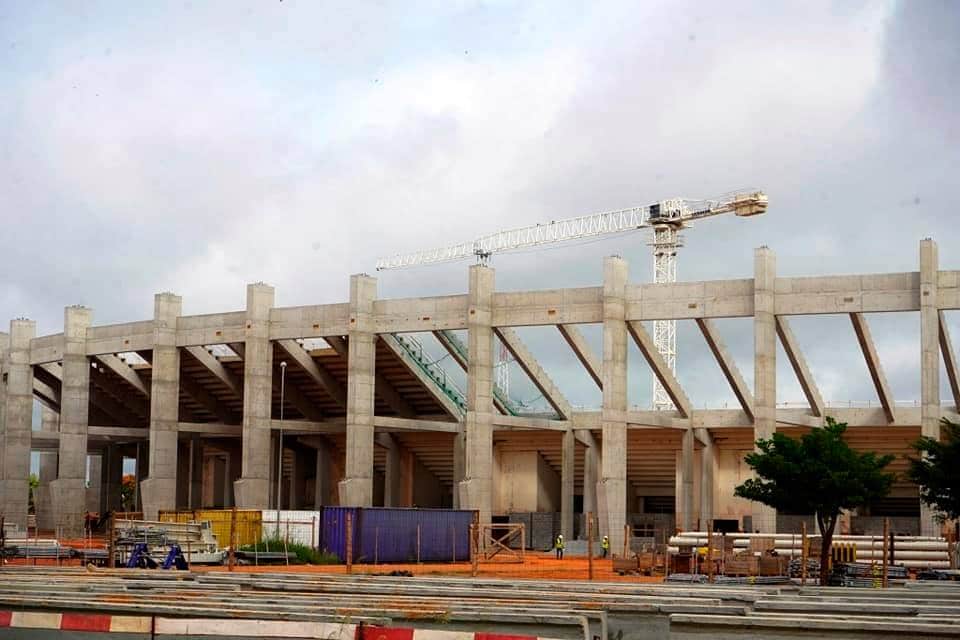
<point>283,376</point>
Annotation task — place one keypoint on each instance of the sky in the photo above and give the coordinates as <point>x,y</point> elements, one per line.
<point>196,147</point>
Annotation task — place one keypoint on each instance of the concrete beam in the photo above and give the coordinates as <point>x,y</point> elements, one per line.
<point>582,350</point>
<point>46,395</point>
<point>118,338</point>
<point>537,375</point>
<point>382,386</point>
<point>412,315</point>
<point>209,402</point>
<point>429,383</point>
<point>862,329</point>
<point>660,369</point>
<point>319,375</point>
<point>727,365</point>
<point>949,359</point>
<point>214,366</point>
<point>295,396</point>
<point>125,371</point>
<point>105,397</point>
<point>387,424</point>
<point>444,339</point>
<point>212,328</point>
<point>447,340</point>
<point>800,368</point>
<point>528,423</point>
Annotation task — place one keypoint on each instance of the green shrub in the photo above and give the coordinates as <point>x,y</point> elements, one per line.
<point>305,554</point>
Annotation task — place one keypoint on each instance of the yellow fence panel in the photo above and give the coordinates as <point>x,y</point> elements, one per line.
<point>248,526</point>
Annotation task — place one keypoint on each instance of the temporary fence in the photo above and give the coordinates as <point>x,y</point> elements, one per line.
<point>293,527</point>
<point>247,523</point>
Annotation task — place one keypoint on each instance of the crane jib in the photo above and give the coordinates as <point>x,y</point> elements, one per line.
<point>674,211</point>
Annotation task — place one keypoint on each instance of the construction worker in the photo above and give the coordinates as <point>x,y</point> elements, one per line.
<point>558,545</point>
<point>605,546</point>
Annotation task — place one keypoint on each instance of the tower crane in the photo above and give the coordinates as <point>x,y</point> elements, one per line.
<point>666,219</point>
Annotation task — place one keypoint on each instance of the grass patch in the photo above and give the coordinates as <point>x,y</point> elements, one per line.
<point>304,553</point>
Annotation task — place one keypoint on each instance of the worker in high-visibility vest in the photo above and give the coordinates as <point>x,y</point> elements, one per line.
<point>558,546</point>
<point>605,546</point>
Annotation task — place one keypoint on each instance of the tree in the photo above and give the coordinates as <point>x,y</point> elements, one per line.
<point>820,474</point>
<point>128,486</point>
<point>33,483</point>
<point>938,472</point>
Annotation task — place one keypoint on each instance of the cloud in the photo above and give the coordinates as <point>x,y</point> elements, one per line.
<point>200,147</point>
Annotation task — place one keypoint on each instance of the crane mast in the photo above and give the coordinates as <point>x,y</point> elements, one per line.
<point>666,218</point>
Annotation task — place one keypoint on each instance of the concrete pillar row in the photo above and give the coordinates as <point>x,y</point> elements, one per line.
<point>18,414</point>
<point>393,494</point>
<point>158,492</point>
<point>764,367</point>
<point>567,473</point>
<point>612,488</point>
<point>930,411</point>
<point>356,489</point>
<point>252,490</point>
<point>476,489</point>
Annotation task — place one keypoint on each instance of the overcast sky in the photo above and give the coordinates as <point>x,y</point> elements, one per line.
<point>199,146</point>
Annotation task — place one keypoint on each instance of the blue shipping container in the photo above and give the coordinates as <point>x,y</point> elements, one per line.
<point>398,535</point>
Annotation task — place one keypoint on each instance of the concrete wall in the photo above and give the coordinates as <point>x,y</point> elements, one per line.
<point>523,481</point>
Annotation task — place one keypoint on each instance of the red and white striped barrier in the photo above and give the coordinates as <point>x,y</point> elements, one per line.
<point>232,627</point>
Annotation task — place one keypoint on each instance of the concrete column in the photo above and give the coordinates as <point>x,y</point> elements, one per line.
<point>356,489</point>
<point>18,423</point>
<point>68,492</point>
<point>298,479</point>
<point>392,484</point>
<point>252,490</point>
<point>459,466</point>
<point>195,478</point>
<point>94,478</point>
<point>591,465</point>
<point>612,489</point>
<point>47,473</point>
<point>476,490</point>
<point>708,470</point>
<point>322,490</point>
<point>686,480</point>
<point>764,367</point>
<point>929,362</point>
<point>566,484</point>
<point>158,492</point>
<point>112,469</point>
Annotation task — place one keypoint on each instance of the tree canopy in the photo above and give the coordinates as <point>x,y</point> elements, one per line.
<point>938,471</point>
<point>816,474</point>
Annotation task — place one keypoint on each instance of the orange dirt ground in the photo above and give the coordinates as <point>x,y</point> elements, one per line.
<point>536,566</point>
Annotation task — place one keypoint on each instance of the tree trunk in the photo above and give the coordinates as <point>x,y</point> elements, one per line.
<point>827,526</point>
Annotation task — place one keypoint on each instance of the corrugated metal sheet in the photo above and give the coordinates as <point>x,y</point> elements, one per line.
<point>300,527</point>
<point>399,535</point>
<point>333,530</point>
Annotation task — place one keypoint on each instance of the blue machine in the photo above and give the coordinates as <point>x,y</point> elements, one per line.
<point>140,558</point>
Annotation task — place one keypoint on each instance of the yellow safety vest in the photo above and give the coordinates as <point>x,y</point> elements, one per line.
<point>605,544</point>
<point>559,543</point>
